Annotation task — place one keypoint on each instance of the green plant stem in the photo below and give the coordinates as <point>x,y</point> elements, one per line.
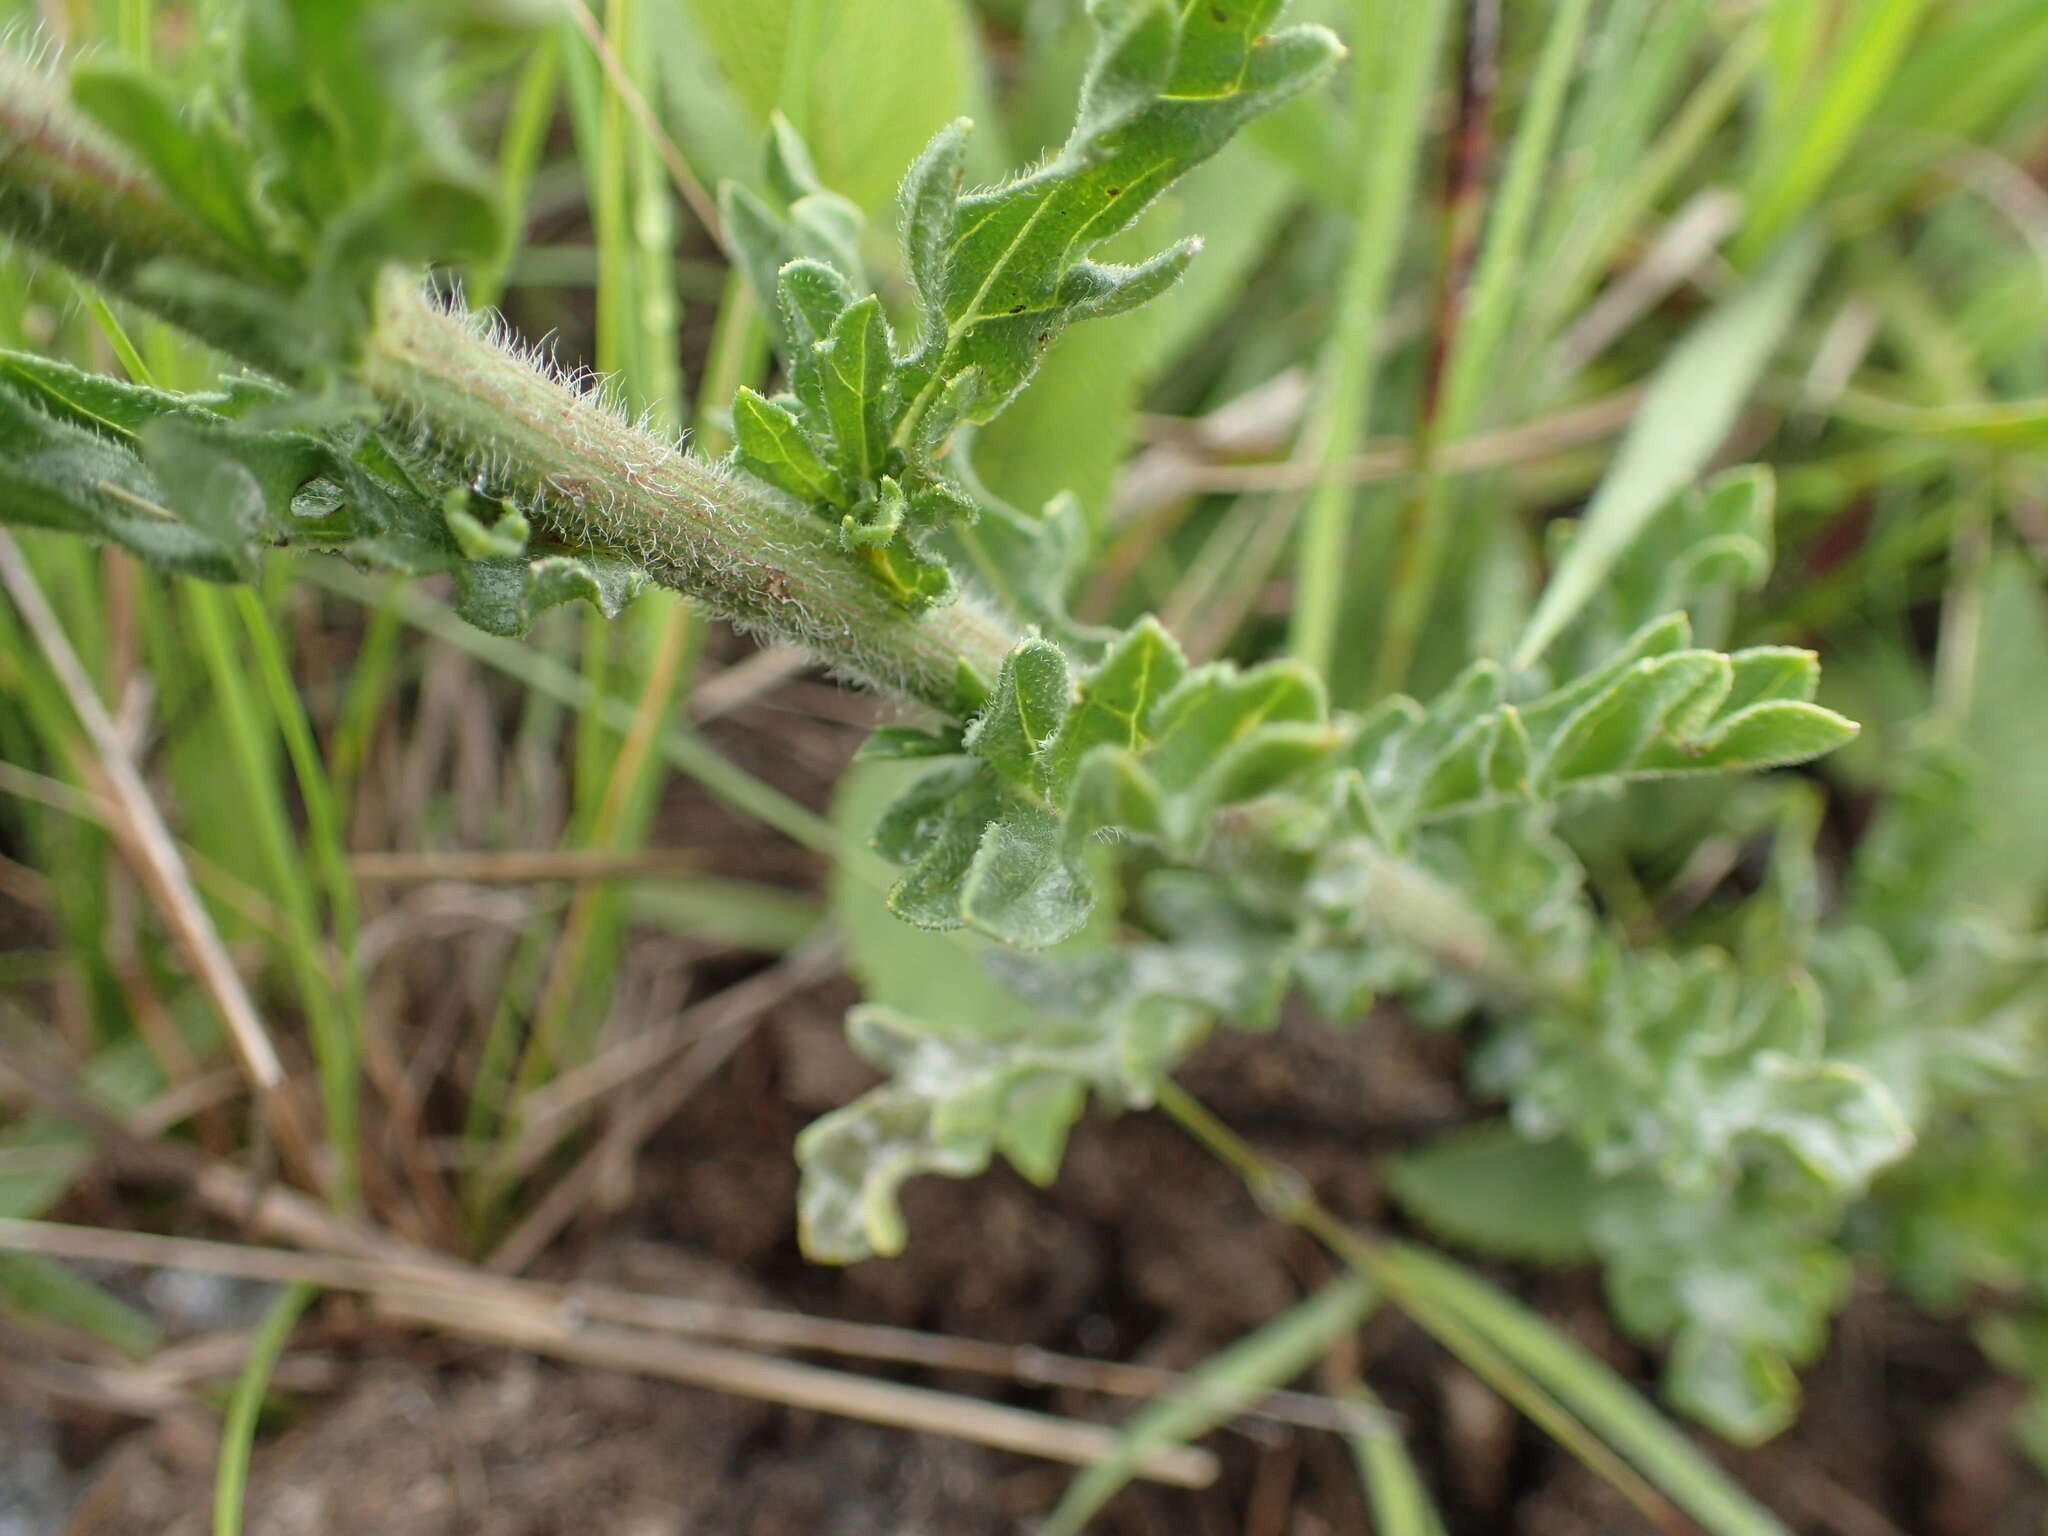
<point>598,483</point>
<point>238,1433</point>
<point>593,481</point>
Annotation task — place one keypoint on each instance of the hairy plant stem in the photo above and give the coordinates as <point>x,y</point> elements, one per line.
<point>597,482</point>
<point>592,481</point>
<point>1413,908</point>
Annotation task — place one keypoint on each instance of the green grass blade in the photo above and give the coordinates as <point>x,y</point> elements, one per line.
<point>1394,75</point>
<point>1691,405</point>
<point>1999,46</point>
<point>1680,143</point>
<point>1640,53</point>
<point>238,1432</point>
<point>252,730</point>
<point>325,839</point>
<point>370,682</point>
<point>1791,176</point>
<point>1281,1192</point>
<point>1590,1390</point>
<point>1222,1386</point>
<point>1401,1505</point>
<point>2011,424</point>
<point>1495,294</point>
<point>38,1287</point>
<point>1502,271</point>
<point>742,913</point>
<point>519,147</point>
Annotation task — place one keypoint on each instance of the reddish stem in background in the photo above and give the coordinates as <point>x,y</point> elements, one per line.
<point>1463,201</point>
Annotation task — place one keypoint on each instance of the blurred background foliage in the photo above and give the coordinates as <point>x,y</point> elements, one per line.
<point>1431,303</point>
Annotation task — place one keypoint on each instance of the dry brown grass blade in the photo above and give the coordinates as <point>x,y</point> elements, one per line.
<point>723,1028</point>
<point>548,1114</point>
<point>1206,609</point>
<point>521,866</point>
<point>1486,450</point>
<point>793,1384</point>
<point>90,805</point>
<point>552,1321</point>
<point>24,886</point>
<point>692,191</point>
<point>766,1328</point>
<point>1684,245</point>
<point>744,681</point>
<point>143,836</point>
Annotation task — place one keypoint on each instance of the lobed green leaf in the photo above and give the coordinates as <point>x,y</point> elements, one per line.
<point>998,274</point>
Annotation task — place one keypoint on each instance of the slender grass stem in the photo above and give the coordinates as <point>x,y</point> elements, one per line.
<point>535,670</point>
<point>1284,1194</point>
<point>325,840</point>
<point>613,826</point>
<point>252,726</point>
<point>238,1433</point>
<point>362,705</point>
<point>1470,327</point>
<point>519,147</point>
<point>1393,102</point>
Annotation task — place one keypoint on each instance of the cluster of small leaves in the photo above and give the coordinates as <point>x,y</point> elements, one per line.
<point>200,484</point>
<point>1725,1129</point>
<point>1657,709</point>
<point>1741,1280</point>
<point>1264,843</point>
<point>1701,1122</point>
<point>1676,1067</point>
<point>1112,1021</point>
<point>1708,545</point>
<point>1142,749</point>
<point>325,157</point>
<point>835,439</point>
<point>1944,967</point>
<point>863,430</point>
<point>332,156</point>
<point>1708,1134</point>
